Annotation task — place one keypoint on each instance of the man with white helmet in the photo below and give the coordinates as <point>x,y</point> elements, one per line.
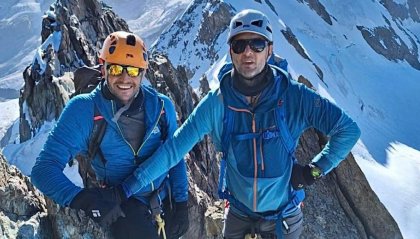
<point>137,120</point>
<point>255,118</point>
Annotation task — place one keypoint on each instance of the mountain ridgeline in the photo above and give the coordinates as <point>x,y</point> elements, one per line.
<point>341,205</point>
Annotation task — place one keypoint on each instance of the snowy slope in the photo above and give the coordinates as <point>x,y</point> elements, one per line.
<point>381,95</point>
<point>20,27</point>
<point>148,18</point>
<point>9,113</point>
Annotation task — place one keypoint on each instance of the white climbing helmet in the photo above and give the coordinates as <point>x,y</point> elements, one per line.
<point>250,20</point>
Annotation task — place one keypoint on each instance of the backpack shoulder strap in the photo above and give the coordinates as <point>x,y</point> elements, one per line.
<point>98,132</point>
<point>228,123</point>
<point>285,134</point>
<point>163,123</point>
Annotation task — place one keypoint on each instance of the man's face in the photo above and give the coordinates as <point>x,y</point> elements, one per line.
<point>121,84</point>
<point>249,63</point>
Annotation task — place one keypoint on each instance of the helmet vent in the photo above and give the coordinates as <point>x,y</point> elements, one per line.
<point>269,29</point>
<point>111,49</point>
<point>237,24</point>
<point>131,40</point>
<point>257,23</point>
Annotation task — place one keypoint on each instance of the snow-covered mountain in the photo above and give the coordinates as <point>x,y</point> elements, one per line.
<point>20,27</point>
<point>148,18</point>
<point>363,55</point>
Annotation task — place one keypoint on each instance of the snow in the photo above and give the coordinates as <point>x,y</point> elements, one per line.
<point>52,40</point>
<point>21,20</point>
<point>151,17</point>
<point>381,96</point>
<point>8,115</point>
<point>23,155</point>
<point>394,181</point>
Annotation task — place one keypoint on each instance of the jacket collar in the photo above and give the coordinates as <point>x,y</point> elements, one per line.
<point>269,99</point>
<point>150,101</point>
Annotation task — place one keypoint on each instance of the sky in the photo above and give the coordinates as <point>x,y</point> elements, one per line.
<point>380,95</point>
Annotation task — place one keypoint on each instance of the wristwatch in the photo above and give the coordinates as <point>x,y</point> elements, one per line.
<point>316,172</point>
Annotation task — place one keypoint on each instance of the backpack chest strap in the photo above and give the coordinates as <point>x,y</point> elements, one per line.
<point>267,134</point>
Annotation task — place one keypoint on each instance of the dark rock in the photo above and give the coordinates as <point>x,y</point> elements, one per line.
<point>172,82</point>
<point>319,9</point>
<point>387,43</point>
<point>292,39</point>
<point>25,213</point>
<point>403,11</point>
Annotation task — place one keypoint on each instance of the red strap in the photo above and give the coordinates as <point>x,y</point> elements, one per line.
<point>98,117</point>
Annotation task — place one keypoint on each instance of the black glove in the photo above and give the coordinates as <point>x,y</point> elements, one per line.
<point>180,221</point>
<point>302,176</point>
<point>101,204</point>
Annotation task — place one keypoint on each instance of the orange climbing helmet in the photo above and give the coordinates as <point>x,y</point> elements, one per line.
<point>124,48</point>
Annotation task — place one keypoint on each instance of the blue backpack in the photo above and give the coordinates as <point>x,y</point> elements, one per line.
<point>286,139</point>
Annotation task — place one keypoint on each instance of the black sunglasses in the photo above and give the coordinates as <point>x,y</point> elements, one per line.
<point>257,45</point>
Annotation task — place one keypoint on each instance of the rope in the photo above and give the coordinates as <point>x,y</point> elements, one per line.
<point>249,236</point>
<point>161,225</point>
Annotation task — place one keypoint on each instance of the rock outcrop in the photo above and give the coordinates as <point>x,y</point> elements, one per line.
<point>22,208</point>
<point>385,41</point>
<point>25,213</point>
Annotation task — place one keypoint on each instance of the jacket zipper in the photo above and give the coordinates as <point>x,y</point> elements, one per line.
<point>136,154</point>
<point>254,141</point>
<point>255,163</point>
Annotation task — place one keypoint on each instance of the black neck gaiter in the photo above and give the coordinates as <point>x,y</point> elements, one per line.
<point>253,86</point>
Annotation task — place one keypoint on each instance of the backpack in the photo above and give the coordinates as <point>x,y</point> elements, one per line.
<point>86,79</point>
<point>282,131</point>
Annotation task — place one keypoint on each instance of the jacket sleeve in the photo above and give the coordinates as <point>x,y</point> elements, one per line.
<point>327,117</point>
<point>200,122</point>
<point>178,174</point>
<point>68,137</point>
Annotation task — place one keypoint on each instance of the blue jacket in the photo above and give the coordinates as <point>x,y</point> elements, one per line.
<point>304,108</point>
<point>70,137</point>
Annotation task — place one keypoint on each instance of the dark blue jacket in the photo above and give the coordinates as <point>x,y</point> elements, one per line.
<point>70,137</point>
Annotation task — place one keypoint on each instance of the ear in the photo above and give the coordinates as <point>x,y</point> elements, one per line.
<point>103,69</point>
<point>270,51</point>
<point>143,74</point>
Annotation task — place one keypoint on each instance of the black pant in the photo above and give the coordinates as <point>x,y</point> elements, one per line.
<point>138,223</point>
<point>237,226</point>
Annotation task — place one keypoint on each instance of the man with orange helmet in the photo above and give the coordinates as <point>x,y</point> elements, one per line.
<point>133,114</point>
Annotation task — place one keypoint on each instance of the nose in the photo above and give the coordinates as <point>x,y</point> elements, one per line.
<point>125,75</point>
<point>248,50</point>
